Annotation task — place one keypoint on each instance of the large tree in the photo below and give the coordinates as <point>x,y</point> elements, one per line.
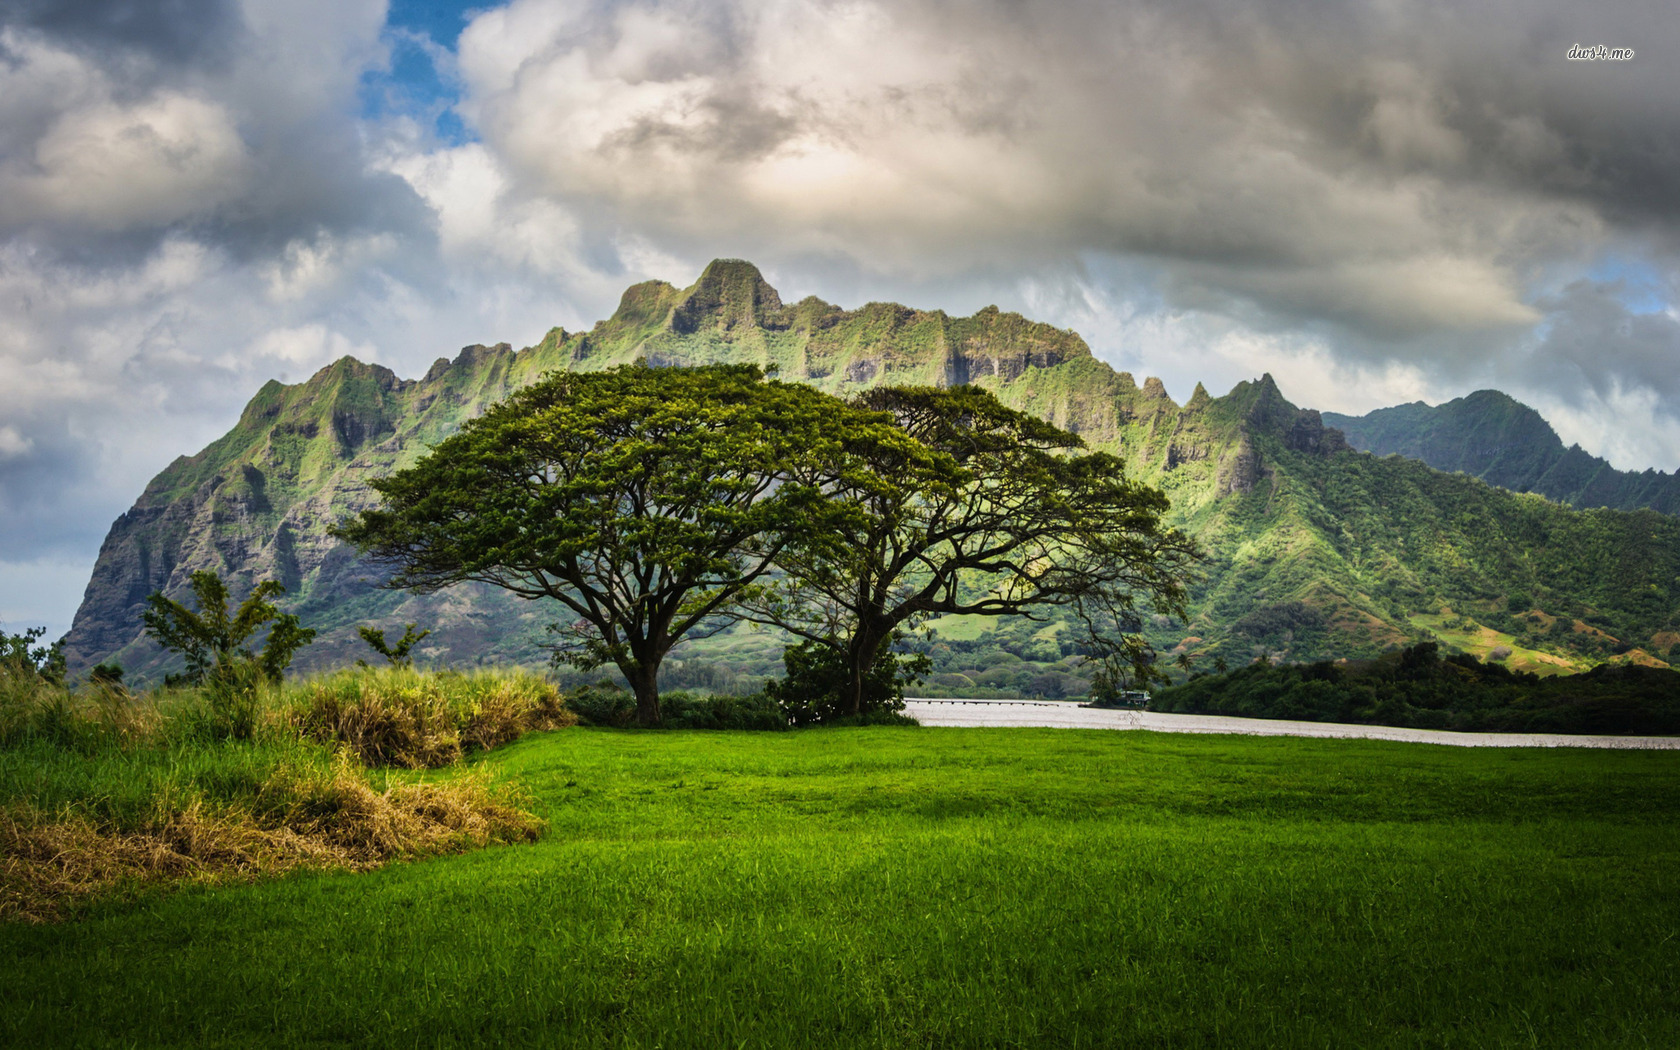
<point>645,501</point>
<point>992,512</point>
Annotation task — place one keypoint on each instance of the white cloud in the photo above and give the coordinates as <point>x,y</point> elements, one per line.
<point>914,140</point>
<point>115,167</point>
<point>13,444</point>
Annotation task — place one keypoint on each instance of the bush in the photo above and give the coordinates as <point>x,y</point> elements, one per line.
<point>817,678</point>
<point>18,652</point>
<point>685,711</point>
<point>602,704</point>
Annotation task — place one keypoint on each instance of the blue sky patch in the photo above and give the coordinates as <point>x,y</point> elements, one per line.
<point>420,83</point>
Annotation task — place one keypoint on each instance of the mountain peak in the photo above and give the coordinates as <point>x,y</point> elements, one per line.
<point>730,293</point>
<point>1495,437</point>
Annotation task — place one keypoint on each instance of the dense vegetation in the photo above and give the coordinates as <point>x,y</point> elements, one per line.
<point>1417,688</point>
<point>922,887</point>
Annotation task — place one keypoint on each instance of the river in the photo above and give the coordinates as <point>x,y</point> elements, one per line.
<point>1066,714</point>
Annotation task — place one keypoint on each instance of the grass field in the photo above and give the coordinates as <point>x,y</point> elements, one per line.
<point>939,887</point>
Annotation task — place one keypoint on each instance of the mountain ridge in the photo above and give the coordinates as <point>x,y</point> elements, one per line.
<point>1492,436</point>
<point>1300,565</point>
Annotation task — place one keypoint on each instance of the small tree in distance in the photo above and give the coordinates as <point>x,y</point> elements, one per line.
<point>213,641</point>
<point>19,653</point>
<point>397,653</point>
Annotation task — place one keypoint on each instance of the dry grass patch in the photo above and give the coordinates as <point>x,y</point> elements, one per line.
<point>302,819</point>
<point>101,788</point>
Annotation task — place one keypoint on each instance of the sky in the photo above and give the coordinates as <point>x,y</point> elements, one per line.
<point>1376,203</point>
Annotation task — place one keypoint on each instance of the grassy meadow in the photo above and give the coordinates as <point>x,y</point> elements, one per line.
<point>890,886</point>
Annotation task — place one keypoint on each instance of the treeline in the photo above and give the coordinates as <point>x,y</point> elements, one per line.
<point>1418,688</point>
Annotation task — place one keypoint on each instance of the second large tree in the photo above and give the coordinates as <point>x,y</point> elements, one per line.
<point>996,513</point>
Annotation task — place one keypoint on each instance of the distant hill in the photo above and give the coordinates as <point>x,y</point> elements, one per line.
<point>1314,549</point>
<point>1493,437</point>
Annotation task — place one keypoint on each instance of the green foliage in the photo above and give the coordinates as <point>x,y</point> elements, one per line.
<point>213,641</point>
<point>757,711</point>
<point>234,693</point>
<point>106,674</point>
<point>602,704</point>
<point>18,652</point>
<point>817,688</point>
<point>985,511</point>
<point>397,655</point>
<point>1418,688</point>
<point>644,501</point>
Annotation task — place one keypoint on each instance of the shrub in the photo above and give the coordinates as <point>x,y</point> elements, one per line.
<point>213,641</point>
<point>817,678</point>
<point>19,652</point>
<point>602,704</point>
<point>685,711</point>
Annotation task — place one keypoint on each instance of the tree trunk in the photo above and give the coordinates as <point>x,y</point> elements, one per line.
<point>644,680</point>
<point>862,653</point>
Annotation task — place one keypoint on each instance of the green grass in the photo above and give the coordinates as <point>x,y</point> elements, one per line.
<point>964,627</point>
<point>919,887</point>
<point>1481,641</point>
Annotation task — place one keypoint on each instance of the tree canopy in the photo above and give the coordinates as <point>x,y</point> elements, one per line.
<point>645,501</point>
<point>991,511</point>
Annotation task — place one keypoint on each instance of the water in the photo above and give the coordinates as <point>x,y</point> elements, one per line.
<point>1065,714</point>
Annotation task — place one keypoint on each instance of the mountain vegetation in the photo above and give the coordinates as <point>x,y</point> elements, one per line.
<point>1312,549</point>
<point>1489,435</point>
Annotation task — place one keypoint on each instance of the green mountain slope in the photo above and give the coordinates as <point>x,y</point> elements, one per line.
<point>1504,442</point>
<point>1314,549</point>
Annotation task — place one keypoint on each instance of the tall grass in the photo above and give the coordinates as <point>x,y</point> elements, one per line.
<point>102,788</point>
<point>397,716</point>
